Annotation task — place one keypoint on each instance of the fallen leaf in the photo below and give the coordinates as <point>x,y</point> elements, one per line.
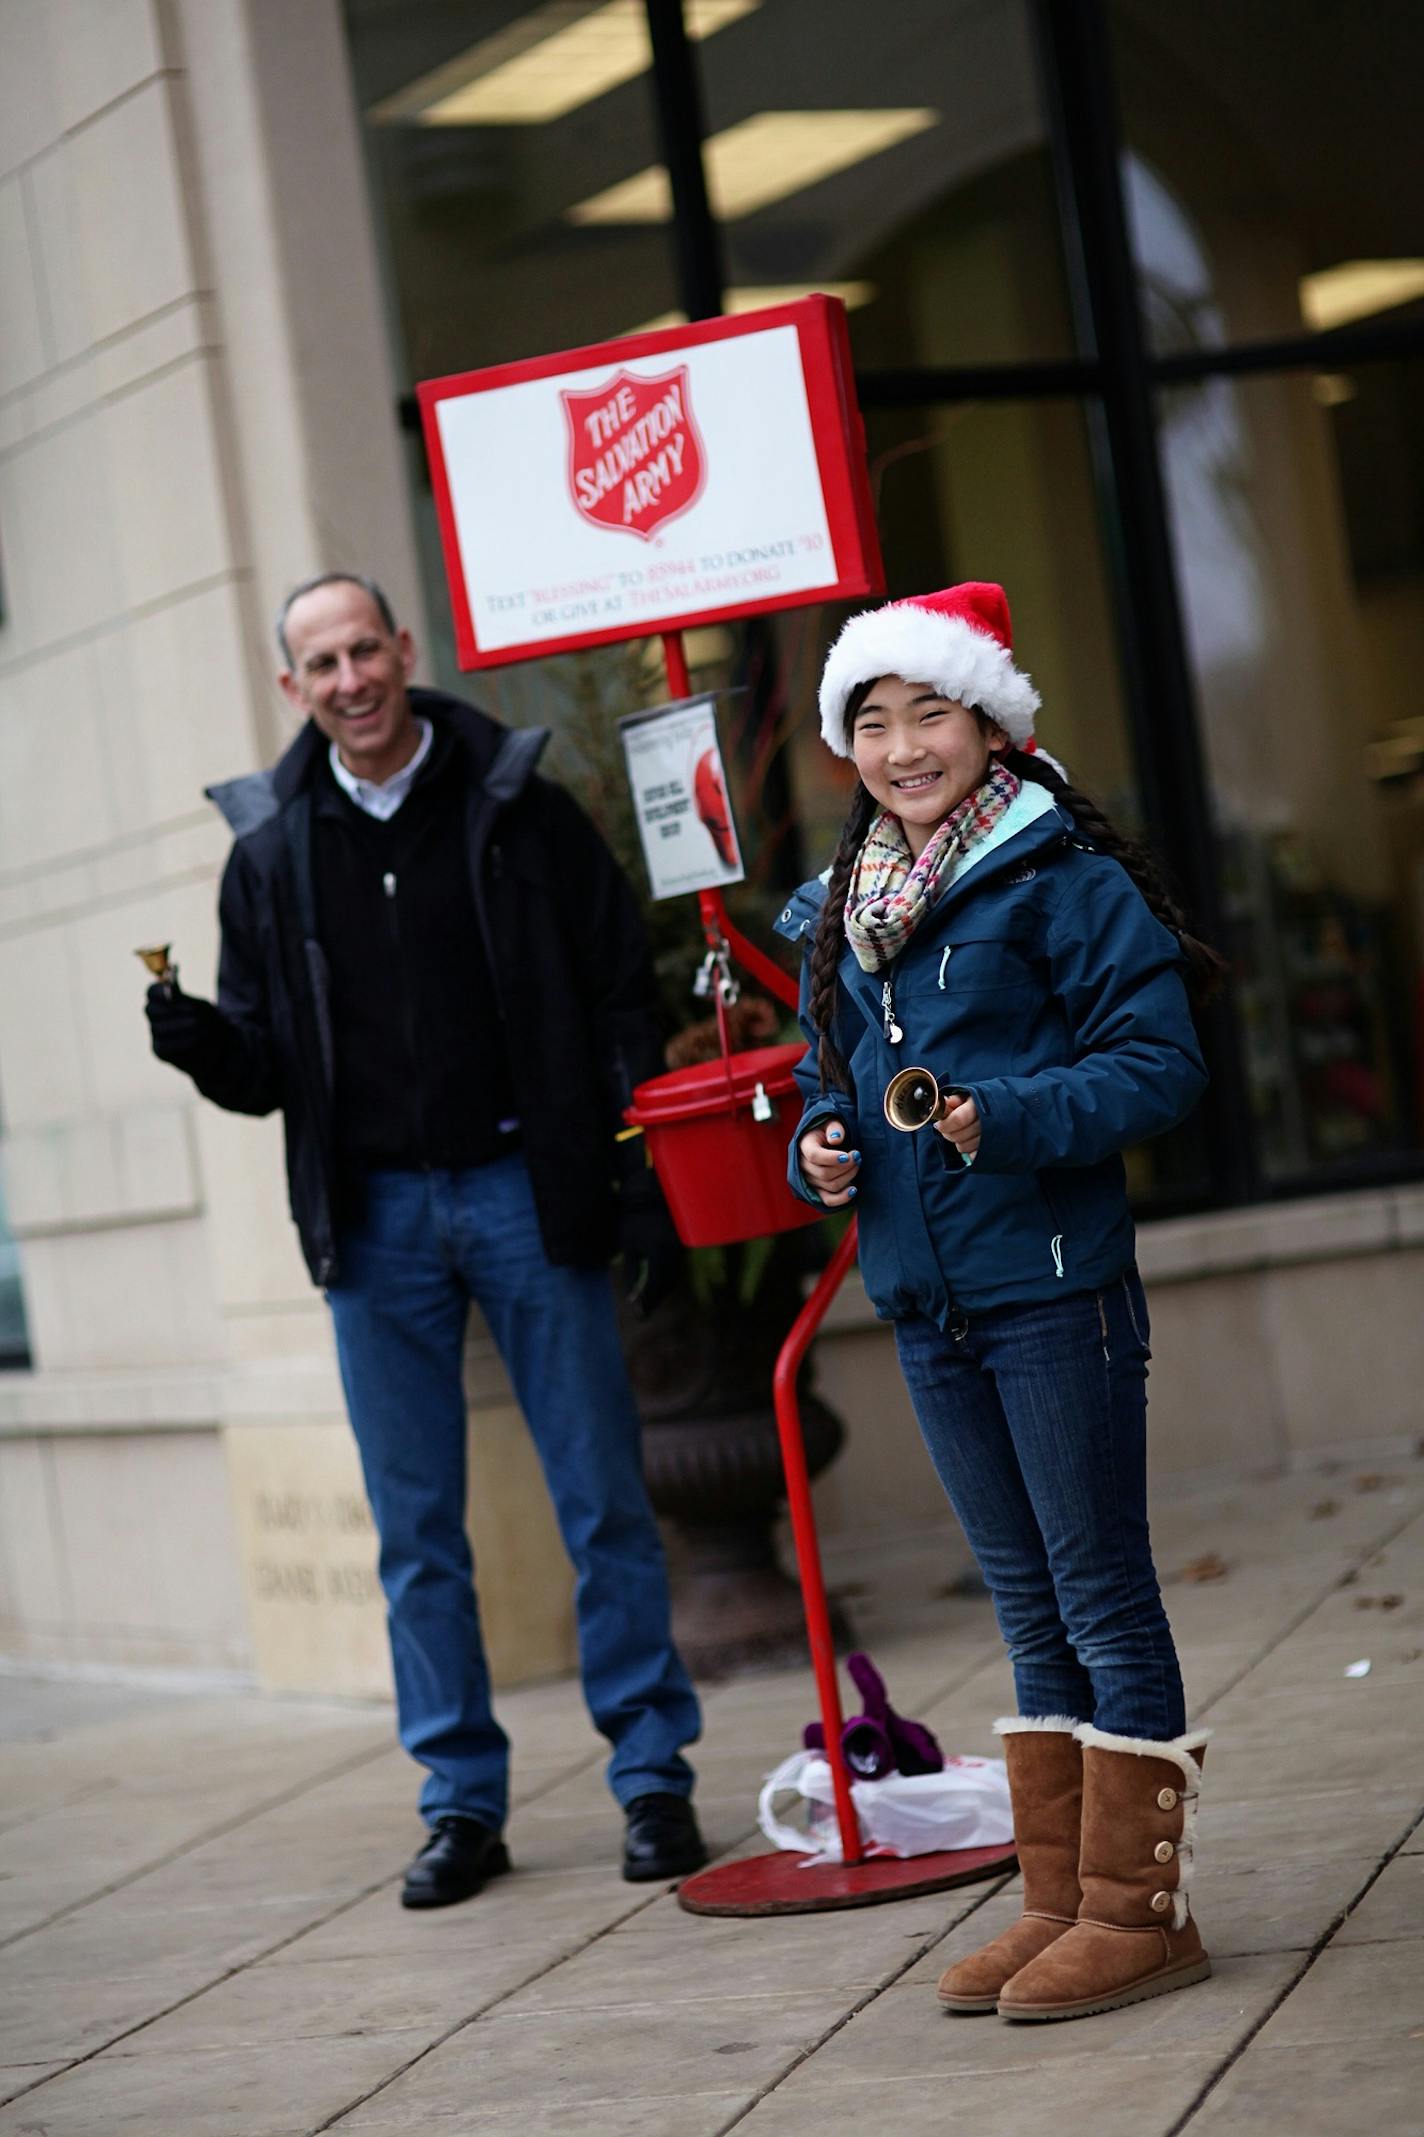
<point>1208,1567</point>
<point>1324,1508</point>
<point>1371,1481</point>
<point>1378,1602</point>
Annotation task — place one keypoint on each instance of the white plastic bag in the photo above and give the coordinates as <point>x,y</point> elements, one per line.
<point>966,1806</point>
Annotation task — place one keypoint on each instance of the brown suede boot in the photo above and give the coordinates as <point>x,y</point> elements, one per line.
<point>1134,1936</point>
<point>1045,1763</point>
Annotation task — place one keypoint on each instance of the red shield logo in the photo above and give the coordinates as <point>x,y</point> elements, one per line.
<point>635,453</point>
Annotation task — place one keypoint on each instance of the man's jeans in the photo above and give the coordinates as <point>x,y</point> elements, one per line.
<point>427,1244</point>
<point>1036,1419</point>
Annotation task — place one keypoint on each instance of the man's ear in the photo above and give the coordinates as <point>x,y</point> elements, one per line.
<point>408,651</point>
<point>291,689</point>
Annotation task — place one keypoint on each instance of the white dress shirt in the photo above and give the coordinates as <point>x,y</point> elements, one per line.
<point>382,797</point>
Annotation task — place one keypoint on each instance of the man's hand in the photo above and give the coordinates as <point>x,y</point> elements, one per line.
<point>829,1167</point>
<point>183,1028</point>
<point>961,1127</point>
<point>647,1240</point>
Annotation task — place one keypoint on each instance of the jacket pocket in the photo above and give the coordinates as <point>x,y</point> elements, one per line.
<point>966,964</point>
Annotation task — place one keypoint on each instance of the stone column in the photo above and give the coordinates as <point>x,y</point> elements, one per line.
<point>197,407</point>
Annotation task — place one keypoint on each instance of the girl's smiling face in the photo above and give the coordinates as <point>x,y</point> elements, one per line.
<point>920,754</point>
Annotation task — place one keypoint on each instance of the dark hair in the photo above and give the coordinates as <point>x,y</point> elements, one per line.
<point>1204,965</point>
<point>331,578</point>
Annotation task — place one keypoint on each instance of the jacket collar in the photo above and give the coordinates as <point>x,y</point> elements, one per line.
<point>502,761</point>
<point>1027,828</point>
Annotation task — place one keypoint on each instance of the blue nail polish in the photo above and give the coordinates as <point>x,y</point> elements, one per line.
<point>841,1158</point>
<point>855,1157</point>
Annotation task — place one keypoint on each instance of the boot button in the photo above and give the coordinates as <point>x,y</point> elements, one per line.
<point>1164,1851</point>
<point>1166,1799</point>
<point>1161,1901</point>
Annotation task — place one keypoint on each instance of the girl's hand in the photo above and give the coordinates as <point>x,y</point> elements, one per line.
<point>829,1167</point>
<point>960,1126</point>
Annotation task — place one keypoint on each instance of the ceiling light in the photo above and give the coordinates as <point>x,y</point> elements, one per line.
<point>852,295</point>
<point>1356,289</point>
<point>763,159</point>
<point>546,64</point>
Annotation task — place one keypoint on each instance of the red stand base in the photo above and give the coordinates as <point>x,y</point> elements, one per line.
<point>778,1884</point>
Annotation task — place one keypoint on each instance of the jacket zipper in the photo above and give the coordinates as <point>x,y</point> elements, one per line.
<point>390,886</point>
<point>893,1032</point>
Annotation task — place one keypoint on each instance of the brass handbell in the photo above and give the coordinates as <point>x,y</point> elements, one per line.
<point>160,963</point>
<point>915,1097</point>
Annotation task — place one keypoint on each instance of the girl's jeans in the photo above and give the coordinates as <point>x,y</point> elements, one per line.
<point>427,1244</point>
<point>1036,1419</point>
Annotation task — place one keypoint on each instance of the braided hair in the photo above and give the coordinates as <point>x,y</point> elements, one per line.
<point>1204,964</point>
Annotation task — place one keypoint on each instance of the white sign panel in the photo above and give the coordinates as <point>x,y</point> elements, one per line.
<point>680,798</point>
<point>613,499</point>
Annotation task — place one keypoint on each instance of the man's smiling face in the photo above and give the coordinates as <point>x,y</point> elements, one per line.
<point>349,672</point>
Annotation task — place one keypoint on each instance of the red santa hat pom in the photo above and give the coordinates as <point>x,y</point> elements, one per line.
<point>960,641</point>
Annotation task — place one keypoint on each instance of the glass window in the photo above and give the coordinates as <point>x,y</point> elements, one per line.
<point>1297,507</point>
<point>14,1338</point>
<point>489,128</point>
<point>903,168</point>
<point>1275,167</point>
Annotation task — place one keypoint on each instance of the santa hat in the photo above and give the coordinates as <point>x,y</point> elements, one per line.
<point>960,640</point>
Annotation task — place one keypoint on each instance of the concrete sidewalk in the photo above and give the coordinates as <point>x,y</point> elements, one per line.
<point>199,1930</point>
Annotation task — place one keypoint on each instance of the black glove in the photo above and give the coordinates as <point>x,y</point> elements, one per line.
<point>647,1240</point>
<point>185,1030</point>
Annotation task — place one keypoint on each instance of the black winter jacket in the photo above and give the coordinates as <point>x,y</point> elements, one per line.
<point>573,981</point>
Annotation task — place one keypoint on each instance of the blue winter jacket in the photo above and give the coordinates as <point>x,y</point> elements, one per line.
<point>1044,986</point>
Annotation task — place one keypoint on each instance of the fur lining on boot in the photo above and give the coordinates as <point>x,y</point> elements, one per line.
<point>1181,1753</point>
<point>1016,1724</point>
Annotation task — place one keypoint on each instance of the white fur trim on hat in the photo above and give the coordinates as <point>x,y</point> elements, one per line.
<point>922,647</point>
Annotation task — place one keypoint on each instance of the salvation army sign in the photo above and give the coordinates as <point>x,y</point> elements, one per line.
<point>652,483</point>
<point>635,459</point>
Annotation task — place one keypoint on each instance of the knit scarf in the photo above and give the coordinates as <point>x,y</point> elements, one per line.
<point>891,893</point>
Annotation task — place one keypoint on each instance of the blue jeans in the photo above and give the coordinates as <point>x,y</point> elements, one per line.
<point>1036,1420</point>
<point>428,1243</point>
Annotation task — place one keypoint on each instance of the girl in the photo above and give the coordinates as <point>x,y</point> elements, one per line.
<point>981,918</point>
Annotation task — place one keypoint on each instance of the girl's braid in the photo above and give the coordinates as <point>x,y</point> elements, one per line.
<point>1205,965</point>
<point>830,940</point>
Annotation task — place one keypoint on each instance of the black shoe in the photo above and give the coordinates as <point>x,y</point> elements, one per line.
<point>457,1861</point>
<point>661,1840</point>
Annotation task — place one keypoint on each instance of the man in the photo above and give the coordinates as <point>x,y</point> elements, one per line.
<point>433,965</point>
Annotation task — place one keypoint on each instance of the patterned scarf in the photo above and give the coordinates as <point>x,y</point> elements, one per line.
<point>890,894</point>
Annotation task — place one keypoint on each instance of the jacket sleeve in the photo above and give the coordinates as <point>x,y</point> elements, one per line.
<point>819,1105</point>
<point>609,947</point>
<point>238,1068</point>
<point>1138,1068</point>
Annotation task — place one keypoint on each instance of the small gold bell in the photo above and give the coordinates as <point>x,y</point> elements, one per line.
<point>915,1097</point>
<point>159,963</point>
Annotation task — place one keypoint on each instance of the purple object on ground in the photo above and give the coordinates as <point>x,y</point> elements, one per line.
<point>879,1741</point>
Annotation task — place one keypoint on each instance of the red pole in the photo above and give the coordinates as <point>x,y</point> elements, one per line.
<point>718,928</point>
<point>803,1529</point>
<point>675,657</point>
